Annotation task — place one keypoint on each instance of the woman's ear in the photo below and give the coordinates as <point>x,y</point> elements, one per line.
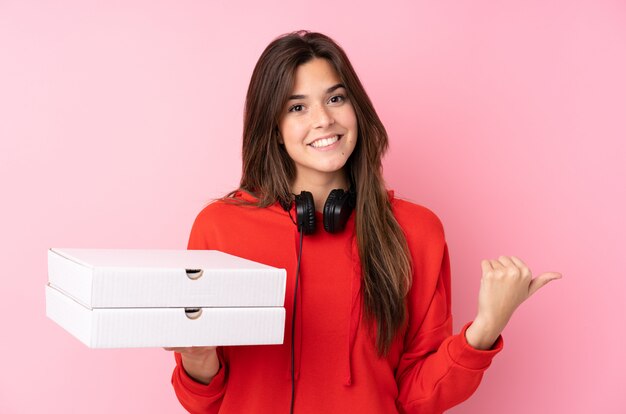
<point>280,137</point>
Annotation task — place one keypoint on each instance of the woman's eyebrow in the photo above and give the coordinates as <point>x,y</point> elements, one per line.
<point>329,90</point>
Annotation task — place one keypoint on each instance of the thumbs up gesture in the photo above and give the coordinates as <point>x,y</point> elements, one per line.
<point>505,284</point>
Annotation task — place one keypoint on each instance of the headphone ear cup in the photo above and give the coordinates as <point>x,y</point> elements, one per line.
<point>305,212</point>
<point>337,210</point>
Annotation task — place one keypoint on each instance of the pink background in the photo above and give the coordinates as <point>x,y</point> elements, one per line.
<point>119,121</point>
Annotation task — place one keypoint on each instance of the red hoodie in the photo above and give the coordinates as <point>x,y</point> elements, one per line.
<point>337,368</point>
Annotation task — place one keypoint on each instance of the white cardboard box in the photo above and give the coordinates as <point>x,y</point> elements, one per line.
<point>156,298</point>
<point>114,278</point>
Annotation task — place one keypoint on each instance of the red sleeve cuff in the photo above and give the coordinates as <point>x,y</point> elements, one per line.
<point>467,356</point>
<point>214,388</point>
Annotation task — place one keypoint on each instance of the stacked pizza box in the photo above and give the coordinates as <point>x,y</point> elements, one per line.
<point>164,298</point>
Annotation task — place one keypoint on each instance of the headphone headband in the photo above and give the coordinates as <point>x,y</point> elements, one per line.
<point>337,210</point>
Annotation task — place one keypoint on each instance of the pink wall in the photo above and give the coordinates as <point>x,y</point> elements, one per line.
<point>118,122</point>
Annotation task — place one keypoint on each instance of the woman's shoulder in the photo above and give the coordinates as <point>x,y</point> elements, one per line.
<point>216,209</point>
<point>237,208</point>
<point>416,219</point>
<point>229,205</point>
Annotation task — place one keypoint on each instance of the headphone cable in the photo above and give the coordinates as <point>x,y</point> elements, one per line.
<point>293,325</point>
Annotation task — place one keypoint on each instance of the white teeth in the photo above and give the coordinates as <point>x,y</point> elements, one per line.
<point>320,143</point>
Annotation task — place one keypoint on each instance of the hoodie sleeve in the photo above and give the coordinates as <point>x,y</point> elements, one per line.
<point>438,370</point>
<point>194,396</point>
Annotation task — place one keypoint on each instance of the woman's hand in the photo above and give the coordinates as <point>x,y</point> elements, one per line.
<point>200,362</point>
<point>505,284</point>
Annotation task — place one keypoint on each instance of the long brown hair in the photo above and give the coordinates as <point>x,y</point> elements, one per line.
<point>268,171</point>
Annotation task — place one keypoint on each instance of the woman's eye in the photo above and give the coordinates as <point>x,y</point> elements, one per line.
<point>337,99</point>
<point>295,108</point>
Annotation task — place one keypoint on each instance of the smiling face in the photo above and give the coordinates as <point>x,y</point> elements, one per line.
<point>318,125</point>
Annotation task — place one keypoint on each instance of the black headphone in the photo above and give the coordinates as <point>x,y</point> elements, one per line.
<point>337,210</point>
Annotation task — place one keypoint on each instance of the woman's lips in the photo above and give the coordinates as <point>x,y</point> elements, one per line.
<point>324,143</point>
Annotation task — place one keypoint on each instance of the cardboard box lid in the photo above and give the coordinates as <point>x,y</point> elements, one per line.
<point>129,278</point>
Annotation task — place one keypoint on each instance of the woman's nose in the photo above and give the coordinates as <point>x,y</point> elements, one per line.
<point>322,117</point>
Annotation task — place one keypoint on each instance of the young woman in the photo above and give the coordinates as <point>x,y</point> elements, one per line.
<point>369,325</point>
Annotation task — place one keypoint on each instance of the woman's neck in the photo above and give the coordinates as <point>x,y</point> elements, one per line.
<point>320,186</point>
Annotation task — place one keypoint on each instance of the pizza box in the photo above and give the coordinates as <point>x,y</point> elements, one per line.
<point>164,298</point>
<point>165,327</point>
<point>128,278</point>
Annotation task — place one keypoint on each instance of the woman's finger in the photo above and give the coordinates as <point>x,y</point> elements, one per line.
<point>506,262</point>
<point>541,280</point>
<point>486,266</point>
<point>496,264</point>
<point>520,264</point>
<point>177,348</point>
